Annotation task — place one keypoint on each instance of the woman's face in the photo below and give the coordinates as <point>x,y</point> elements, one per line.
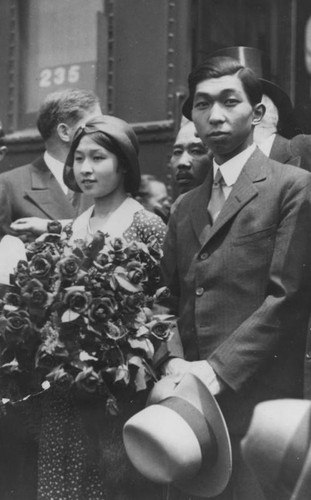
<point>96,170</point>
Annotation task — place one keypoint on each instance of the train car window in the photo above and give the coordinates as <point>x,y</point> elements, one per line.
<point>59,45</point>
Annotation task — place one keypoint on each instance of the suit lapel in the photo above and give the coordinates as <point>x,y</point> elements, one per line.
<point>243,191</point>
<point>47,194</point>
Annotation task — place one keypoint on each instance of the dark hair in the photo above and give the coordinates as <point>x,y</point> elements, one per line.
<point>119,138</point>
<point>66,106</point>
<point>111,145</point>
<point>216,67</point>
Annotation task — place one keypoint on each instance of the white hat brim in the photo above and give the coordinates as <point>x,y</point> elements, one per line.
<point>212,481</point>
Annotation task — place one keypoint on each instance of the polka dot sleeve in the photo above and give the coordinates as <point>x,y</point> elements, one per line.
<point>144,226</point>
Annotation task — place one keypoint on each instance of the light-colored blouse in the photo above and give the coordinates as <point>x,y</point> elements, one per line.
<point>130,221</point>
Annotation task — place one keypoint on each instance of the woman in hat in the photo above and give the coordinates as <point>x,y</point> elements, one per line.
<point>103,163</point>
<point>80,453</point>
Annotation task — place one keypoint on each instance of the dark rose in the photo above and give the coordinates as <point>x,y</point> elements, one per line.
<point>54,226</point>
<point>154,248</point>
<point>35,295</point>
<point>77,300</point>
<point>133,303</point>
<point>69,267</point>
<point>161,329</point>
<point>21,279</point>
<point>101,309</point>
<point>134,249</point>
<point>117,250</point>
<point>112,406</point>
<point>12,299</point>
<point>96,245</point>
<point>18,324</point>
<point>88,381</point>
<point>45,361</point>
<point>34,248</point>
<point>117,244</point>
<point>61,379</point>
<point>22,266</point>
<point>101,261</point>
<point>41,265</point>
<point>135,272</point>
<point>162,293</point>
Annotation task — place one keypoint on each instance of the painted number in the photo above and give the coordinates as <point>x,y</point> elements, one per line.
<point>59,75</point>
<point>73,73</point>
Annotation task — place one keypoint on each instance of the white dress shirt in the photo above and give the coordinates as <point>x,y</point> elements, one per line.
<point>57,168</point>
<point>231,169</point>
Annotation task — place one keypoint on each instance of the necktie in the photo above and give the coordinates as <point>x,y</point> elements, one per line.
<point>217,199</point>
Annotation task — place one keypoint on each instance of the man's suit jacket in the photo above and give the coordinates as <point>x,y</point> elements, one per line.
<point>295,151</point>
<point>244,283</point>
<point>33,191</point>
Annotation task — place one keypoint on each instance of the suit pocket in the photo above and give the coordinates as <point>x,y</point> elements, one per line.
<point>255,236</point>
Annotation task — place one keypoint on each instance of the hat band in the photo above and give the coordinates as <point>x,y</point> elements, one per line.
<point>200,426</point>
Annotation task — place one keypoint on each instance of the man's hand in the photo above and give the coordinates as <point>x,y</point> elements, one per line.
<point>33,225</point>
<point>178,367</point>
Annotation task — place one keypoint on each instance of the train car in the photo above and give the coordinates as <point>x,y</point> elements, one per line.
<point>136,55</point>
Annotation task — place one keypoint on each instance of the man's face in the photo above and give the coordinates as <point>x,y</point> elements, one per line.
<point>224,117</point>
<point>190,160</point>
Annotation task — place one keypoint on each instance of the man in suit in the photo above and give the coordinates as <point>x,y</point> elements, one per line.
<point>238,256</point>
<point>33,194</point>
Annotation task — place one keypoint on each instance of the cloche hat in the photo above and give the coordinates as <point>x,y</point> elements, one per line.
<point>122,136</point>
<point>277,447</point>
<point>181,438</point>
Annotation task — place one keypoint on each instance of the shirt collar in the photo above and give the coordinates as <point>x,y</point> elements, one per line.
<point>266,145</point>
<point>231,169</point>
<point>56,167</point>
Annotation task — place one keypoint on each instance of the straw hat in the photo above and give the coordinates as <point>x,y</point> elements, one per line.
<point>277,447</point>
<point>181,438</point>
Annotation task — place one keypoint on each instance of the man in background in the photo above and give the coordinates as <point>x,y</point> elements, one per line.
<point>190,159</point>
<point>36,192</point>
<point>154,197</point>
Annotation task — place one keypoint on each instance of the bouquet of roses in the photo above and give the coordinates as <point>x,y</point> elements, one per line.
<point>79,317</point>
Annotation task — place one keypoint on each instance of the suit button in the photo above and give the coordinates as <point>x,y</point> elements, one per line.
<point>308,355</point>
<point>199,291</point>
<point>204,256</point>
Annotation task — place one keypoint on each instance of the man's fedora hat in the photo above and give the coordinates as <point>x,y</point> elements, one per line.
<point>181,438</point>
<point>255,59</point>
<point>277,446</point>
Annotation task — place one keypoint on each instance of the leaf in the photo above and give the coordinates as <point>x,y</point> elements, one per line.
<point>123,373</point>
<point>85,356</point>
<point>144,345</point>
<point>69,315</point>
<point>141,379</point>
<point>126,285</point>
<point>136,361</point>
<point>142,331</point>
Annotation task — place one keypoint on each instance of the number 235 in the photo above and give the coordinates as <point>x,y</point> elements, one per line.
<point>59,75</point>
